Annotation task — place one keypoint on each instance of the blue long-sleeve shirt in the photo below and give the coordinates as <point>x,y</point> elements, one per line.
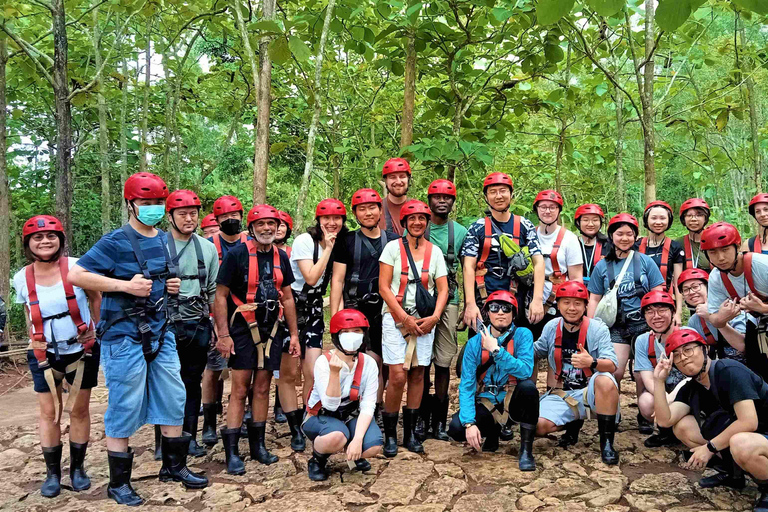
<point>520,365</point>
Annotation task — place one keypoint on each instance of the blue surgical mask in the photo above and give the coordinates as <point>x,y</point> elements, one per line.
<point>151,214</point>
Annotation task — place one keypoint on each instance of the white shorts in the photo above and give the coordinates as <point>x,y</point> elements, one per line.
<point>393,345</point>
<point>556,410</point>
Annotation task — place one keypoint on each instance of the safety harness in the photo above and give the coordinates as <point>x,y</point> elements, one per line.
<point>486,361</point>
<point>354,394</point>
<point>481,270</point>
<point>450,258</point>
<point>352,288</point>
<point>310,298</point>
<point>557,277</point>
<point>410,353</point>
<point>652,348</point>
<point>689,263</point>
<point>664,267</point>
<point>217,242</point>
<point>558,390</point>
<point>747,276</point>
<point>202,299</point>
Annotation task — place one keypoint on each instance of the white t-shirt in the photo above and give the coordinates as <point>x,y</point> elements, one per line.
<point>369,385</point>
<point>391,256</point>
<point>568,254</point>
<point>303,248</point>
<point>53,301</point>
<point>717,293</point>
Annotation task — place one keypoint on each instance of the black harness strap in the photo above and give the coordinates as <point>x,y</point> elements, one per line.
<point>354,280</point>
<point>175,302</point>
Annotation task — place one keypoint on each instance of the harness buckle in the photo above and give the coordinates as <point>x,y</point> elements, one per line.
<point>144,327</point>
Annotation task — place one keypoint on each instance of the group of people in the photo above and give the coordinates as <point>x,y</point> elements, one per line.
<point>164,320</point>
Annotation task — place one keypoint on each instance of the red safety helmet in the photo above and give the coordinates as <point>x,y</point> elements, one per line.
<point>657,297</point>
<point>759,198</point>
<point>497,178</point>
<point>502,296</point>
<point>40,223</point>
<point>549,195</point>
<point>682,337</point>
<point>284,217</point>
<point>690,204</point>
<point>144,185</point>
<point>574,289</point>
<point>330,206</point>
<point>661,204</point>
<point>690,275</point>
<point>720,234</point>
<point>209,221</point>
<point>623,218</point>
<point>412,207</point>
<point>588,209</point>
<point>444,187</point>
<point>180,199</point>
<point>348,319</point>
<point>365,196</point>
<point>227,204</point>
<point>262,211</point>
<point>394,165</point>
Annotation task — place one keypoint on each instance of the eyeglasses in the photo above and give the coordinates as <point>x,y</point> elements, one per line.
<point>657,311</point>
<point>683,353</point>
<point>695,287</point>
<point>694,215</point>
<point>496,307</point>
<point>548,208</point>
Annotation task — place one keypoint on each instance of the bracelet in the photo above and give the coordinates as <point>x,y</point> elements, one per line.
<point>711,447</point>
<point>224,336</point>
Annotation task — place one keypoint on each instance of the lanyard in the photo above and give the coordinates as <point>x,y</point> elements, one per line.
<point>588,263</point>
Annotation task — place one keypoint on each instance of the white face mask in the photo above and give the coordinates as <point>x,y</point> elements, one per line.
<point>351,341</point>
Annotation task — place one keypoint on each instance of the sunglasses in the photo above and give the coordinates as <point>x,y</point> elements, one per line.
<point>496,307</point>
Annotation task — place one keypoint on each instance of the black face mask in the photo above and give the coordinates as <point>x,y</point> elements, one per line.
<point>230,227</point>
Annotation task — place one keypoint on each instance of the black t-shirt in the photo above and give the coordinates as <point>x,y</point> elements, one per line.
<point>344,252</point>
<point>225,245</point>
<point>588,252</point>
<point>730,382</point>
<point>676,255</point>
<point>233,274</point>
<point>573,378</point>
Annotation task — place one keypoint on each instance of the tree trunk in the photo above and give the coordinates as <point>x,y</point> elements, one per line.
<point>309,162</point>
<point>456,132</point>
<point>409,92</point>
<point>123,135</point>
<point>106,207</point>
<point>145,107</point>
<point>757,175</point>
<point>649,140</point>
<point>559,155</point>
<point>5,207</point>
<point>63,114</point>
<point>261,146</point>
<point>168,129</point>
<point>621,192</point>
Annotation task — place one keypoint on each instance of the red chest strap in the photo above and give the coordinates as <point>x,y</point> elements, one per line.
<point>486,251</point>
<point>404,264</point>
<point>485,356</point>
<point>354,390</point>
<point>217,243</point>
<point>652,348</point>
<point>559,347</point>
<point>747,276</point>
<point>664,257</point>
<point>555,248</point>
<point>688,253</point>
<point>597,254</point>
<point>711,340</point>
<point>253,278</point>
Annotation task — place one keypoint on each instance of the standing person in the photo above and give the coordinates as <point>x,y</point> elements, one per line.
<point>758,209</point>
<point>589,219</point>
<point>397,178</point>
<point>449,236</point>
<point>311,265</point>
<point>413,305</point>
<point>694,215</point>
<point>131,266</point>
<point>60,319</point>
<point>487,267</point>
<point>284,230</point>
<point>254,282</point>
<point>209,226</point>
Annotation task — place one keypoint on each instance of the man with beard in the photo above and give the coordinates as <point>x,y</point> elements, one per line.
<point>758,209</point>
<point>397,178</point>
<point>253,283</point>
<point>694,215</point>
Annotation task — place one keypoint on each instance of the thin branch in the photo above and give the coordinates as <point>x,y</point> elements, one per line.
<point>187,24</point>
<point>30,51</point>
<point>653,50</point>
<point>41,3</point>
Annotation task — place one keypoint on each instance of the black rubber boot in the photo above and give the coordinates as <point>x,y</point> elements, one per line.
<point>409,436</point>
<point>247,418</point>
<point>158,443</point>
<point>491,442</point>
<point>643,425</point>
<point>52,485</point>
<point>230,437</point>
<point>440,419</point>
<point>279,414</point>
<point>256,435</point>
<point>729,474</point>
<point>390,433</point>
<point>175,451</point>
<point>571,435</point>
<point>190,427</point>
<point>77,475</point>
<point>762,503</point>
<point>665,437</point>
<point>298,443</point>
<point>209,425</point>
<point>506,433</point>
<point>606,426</point>
<point>377,417</point>
<point>422,421</point>
<point>119,488</point>
<point>526,461</point>
<point>219,397</point>
<point>316,466</point>
<point>362,465</point>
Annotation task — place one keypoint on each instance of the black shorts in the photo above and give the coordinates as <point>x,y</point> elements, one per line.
<point>246,356</point>
<point>90,375</point>
<point>374,316</point>
<point>311,329</point>
<point>627,333</point>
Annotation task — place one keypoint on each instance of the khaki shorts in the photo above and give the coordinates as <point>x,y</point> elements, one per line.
<point>446,346</point>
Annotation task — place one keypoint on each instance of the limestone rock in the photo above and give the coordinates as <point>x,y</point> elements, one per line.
<point>675,484</point>
<point>25,442</point>
<point>575,468</point>
<point>496,502</point>
<point>444,489</point>
<point>397,485</point>
<point>529,502</point>
<point>13,460</point>
<point>646,502</point>
<point>300,502</point>
<point>440,451</point>
<point>257,492</point>
<point>433,507</point>
<point>601,497</point>
<point>564,488</point>
<point>497,470</point>
<point>449,469</point>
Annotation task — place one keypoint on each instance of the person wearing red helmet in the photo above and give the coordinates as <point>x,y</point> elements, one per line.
<point>758,209</point>
<point>580,353</point>
<point>728,402</point>
<point>132,268</point>
<point>589,219</point>
<point>495,367</point>
<point>342,400</point>
<point>60,320</point>
<point>413,305</point>
<point>209,226</point>
<point>486,266</point>
<point>229,215</point>
<point>694,215</point>
<point>397,180</point>
<point>254,283</point>
<point>741,278</point>
<point>284,231</point>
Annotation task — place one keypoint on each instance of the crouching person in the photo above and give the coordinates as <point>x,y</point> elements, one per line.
<point>342,401</point>
<point>495,368</point>
<point>581,355</point>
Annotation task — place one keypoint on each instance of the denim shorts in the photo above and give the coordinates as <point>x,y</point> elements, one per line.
<point>141,393</point>
<point>90,373</point>
<point>556,410</point>
<point>323,425</point>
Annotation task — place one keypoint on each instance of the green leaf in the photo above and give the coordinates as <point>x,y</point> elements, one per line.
<point>722,120</point>
<point>374,153</point>
<point>279,51</point>
<point>672,13</point>
<point>384,9</point>
<point>414,8</point>
<point>17,113</point>
<point>758,6</point>
<point>553,53</point>
<point>267,26</point>
<point>397,68</point>
<point>525,86</point>
<point>606,7</point>
<point>434,93</point>
<point>550,11</point>
<point>358,33</point>
<point>277,148</point>
<point>601,89</point>
<point>299,48</point>
<point>501,14</point>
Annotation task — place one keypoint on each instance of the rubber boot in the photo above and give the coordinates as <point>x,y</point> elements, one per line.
<point>158,443</point>
<point>256,434</point>
<point>491,442</point>
<point>606,426</point>
<point>571,436</point>
<point>409,436</point>
<point>175,451</point>
<point>247,418</point>
<point>279,414</point>
<point>362,465</point>
<point>52,485</point>
<point>440,418</point>
<point>209,425</point>
<point>230,437</point>
<point>729,474</point>
<point>665,437</point>
<point>390,433</point>
<point>316,467</point>
<point>643,425</point>
<point>762,503</point>
<point>219,397</point>
<point>119,488</point>
<point>77,475</point>
<point>298,443</point>
<point>190,427</point>
<point>526,461</point>
<point>422,421</point>
<point>377,417</point>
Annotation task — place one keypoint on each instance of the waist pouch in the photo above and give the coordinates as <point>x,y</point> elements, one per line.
<point>343,413</point>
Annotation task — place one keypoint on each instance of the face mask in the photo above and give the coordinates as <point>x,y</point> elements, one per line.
<point>230,227</point>
<point>151,214</point>
<point>350,341</point>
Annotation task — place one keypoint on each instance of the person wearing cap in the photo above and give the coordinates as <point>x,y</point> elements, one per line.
<point>742,279</point>
<point>495,367</point>
<point>60,319</point>
<point>254,283</point>
<point>397,179</point>
<point>581,356</point>
<point>589,219</point>
<point>729,402</point>
<point>342,399</point>
<point>694,215</point>
<point>448,235</point>
<point>209,226</point>
<point>758,209</point>
<point>414,300</point>
<point>132,268</point>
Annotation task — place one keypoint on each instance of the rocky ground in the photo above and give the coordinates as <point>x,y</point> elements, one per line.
<point>448,476</point>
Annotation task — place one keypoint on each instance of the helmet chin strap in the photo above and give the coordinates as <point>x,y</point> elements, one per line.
<point>496,209</point>
<point>548,225</point>
<point>665,331</point>
<point>576,324</point>
<point>502,330</point>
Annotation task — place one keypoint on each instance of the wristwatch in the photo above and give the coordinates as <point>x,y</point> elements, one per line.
<point>593,366</point>
<point>496,352</point>
<point>470,424</point>
<point>711,447</point>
